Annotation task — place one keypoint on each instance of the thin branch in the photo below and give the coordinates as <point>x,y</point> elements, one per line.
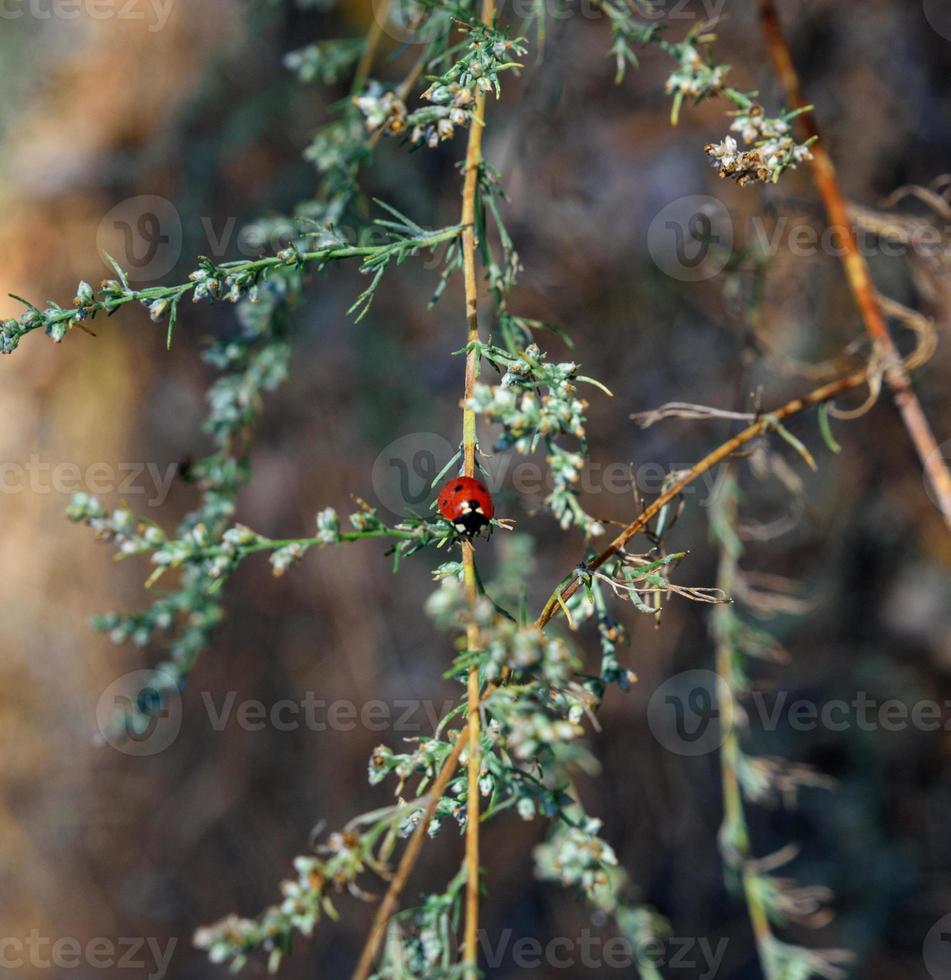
<point>733,816</point>
<point>856,268</point>
<point>470,736</point>
<point>411,855</point>
<point>474,762</point>
<point>228,281</point>
<point>407,862</point>
<point>370,46</point>
<point>413,849</point>
<point>817,396</point>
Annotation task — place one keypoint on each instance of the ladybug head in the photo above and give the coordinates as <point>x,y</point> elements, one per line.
<point>471,520</point>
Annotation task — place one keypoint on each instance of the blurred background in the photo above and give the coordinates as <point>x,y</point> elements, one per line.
<point>190,102</point>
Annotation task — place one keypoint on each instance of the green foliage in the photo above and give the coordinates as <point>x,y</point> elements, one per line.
<point>452,94</point>
<point>535,693</point>
<point>536,402</point>
<point>773,900</point>
<point>326,61</point>
<point>699,76</point>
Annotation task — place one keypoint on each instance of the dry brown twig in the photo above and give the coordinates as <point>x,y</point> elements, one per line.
<point>407,862</point>
<point>763,424</point>
<point>895,373</point>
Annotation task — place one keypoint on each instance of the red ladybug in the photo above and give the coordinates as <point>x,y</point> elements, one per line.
<point>467,504</point>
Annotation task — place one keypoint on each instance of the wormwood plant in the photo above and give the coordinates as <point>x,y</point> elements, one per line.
<point>511,746</point>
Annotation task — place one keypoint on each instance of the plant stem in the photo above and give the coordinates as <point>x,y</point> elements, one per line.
<point>736,843</point>
<point>470,736</point>
<point>259,267</point>
<point>474,762</point>
<point>815,397</point>
<point>271,544</point>
<point>856,268</point>
<point>407,863</point>
<point>370,45</point>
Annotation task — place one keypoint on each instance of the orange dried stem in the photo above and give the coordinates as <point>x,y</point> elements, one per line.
<point>407,862</point>
<point>815,397</point>
<point>474,761</point>
<point>856,268</point>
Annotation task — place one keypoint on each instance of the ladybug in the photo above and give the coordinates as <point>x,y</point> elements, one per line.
<point>467,504</point>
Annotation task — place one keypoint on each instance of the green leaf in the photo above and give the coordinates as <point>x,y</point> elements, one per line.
<point>826,429</point>
<point>172,320</point>
<point>797,444</point>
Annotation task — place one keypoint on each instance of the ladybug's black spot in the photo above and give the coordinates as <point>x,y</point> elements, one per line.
<point>457,488</point>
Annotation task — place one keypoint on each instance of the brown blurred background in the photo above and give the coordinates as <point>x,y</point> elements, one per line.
<point>200,111</point>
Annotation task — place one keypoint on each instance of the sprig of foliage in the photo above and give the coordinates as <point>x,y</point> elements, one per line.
<point>253,362</point>
<point>699,76</point>
<point>336,865</point>
<point>452,94</point>
<point>576,856</point>
<point>325,61</point>
<point>421,942</point>
<point>219,559</point>
<point>229,281</point>
<point>537,403</point>
<point>772,900</point>
<point>529,748</point>
<point>207,556</point>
